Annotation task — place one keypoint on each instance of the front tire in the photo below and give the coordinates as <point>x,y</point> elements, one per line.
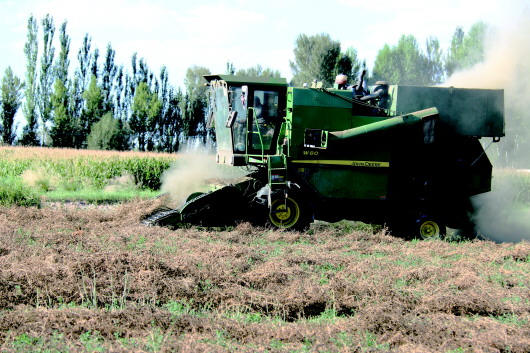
<point>289,213</point>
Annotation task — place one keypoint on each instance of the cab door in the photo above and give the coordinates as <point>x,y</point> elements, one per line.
<point>265,113</point>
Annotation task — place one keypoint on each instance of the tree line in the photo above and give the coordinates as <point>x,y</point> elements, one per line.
<point>102,105</point>
<point>321,58</point>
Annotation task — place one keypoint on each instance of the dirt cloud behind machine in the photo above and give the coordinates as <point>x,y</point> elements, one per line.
<point>502,214</point>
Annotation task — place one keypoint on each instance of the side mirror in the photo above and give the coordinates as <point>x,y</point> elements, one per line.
<point>244,90</point>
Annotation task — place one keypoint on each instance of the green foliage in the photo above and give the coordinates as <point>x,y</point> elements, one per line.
<point>29,134</point>
<point>406,64</point>
<point>230,68</point>
<point>160,115</point>
<point>329,315</point>
<point>29,343</point>
<point>46,73</point>
<point>170,124</point>
<point>256,71</point>
<point>90,171</point>
<point>10,100</point>
<point>320,58</point>
<point>89,195</point>
<point>92,341</point>
<point>434,68</point>
<point>315,58</point>
<point>466,49</point>
<point>108,76</point>
<point>344,227</point>
<point>194,105</point>
<point>64,128</point>
<point>62,63</point>
<point>181,307</point>
<point>14,193</point>
<point>511,319</point>
<point>78,87</point>
<point>93,106</point>
<point>370,342</point>
<point>146,109</point>
<point>108,134</point>
<point>349,64</point>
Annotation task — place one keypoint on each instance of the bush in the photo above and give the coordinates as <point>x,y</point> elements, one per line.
<point>108,134</point>
<point>14,193</point>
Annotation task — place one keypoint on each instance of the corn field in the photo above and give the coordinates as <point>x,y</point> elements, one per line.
<point>81,167</point>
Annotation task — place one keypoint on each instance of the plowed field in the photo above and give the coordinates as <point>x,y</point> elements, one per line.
<point>92,279</point>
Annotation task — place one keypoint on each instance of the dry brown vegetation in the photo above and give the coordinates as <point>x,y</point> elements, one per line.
<point>97,280</point>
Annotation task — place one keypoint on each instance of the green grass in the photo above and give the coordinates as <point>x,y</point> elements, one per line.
<point>99,196</point>
<point>14,193</point>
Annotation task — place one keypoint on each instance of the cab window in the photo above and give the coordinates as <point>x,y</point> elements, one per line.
<point>239,127</point>
<point>265,118</point>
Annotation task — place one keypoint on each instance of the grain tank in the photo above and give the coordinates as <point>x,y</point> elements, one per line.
<point>407,157</point>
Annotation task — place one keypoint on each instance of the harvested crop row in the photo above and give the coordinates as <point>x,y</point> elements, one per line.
<point>98,276</point>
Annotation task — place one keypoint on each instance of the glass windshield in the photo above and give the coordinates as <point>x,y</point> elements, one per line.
<point>265,118</point>
<point>220,114</point>
<point>239,105</point>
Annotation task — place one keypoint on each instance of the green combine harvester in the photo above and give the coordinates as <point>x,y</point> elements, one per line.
<point>406,157</point>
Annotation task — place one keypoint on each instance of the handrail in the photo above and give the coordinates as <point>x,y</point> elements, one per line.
<point>255,132</point>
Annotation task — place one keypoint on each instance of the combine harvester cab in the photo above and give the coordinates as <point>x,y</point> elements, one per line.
<point>403,156</point>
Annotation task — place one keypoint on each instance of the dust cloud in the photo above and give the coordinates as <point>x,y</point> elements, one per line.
<point>192,172</point>
<point>506,66</point>
<point>500,215</point>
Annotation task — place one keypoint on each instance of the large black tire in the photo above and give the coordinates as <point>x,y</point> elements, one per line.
<point>290,212</point>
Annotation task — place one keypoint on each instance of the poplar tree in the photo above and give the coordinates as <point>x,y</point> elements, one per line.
<point>94,68</point>
<point>120,109</point>
<point>194,104</point>
<point>63,129</point>
<point>434,61</point>
<point>84,57</point>
<point>62,64</point>
<point>108,75</point>
<point>10,100</point>
<point>46,74</point>
<point>93,108</point>
<point>170,123</point>
<point>146,108</point>
<point>29,133</point>
<point>77,87</point>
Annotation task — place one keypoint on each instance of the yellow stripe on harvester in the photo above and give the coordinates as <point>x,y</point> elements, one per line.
<point>369,164</point>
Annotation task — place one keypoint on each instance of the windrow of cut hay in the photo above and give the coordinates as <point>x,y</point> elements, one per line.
<point>81,167</point>
<point>97,280</point>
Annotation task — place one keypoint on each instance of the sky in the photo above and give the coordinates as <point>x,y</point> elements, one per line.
<point>179,34</point>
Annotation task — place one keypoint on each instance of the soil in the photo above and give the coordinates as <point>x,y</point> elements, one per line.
<point>78,277</point>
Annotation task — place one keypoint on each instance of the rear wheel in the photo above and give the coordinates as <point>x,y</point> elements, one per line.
<point>427,227</point>
<point>289,213</point>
